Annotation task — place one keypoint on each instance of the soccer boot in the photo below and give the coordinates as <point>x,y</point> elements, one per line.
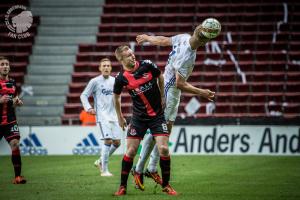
<point>107,173</point>
<point>19,180</point>
<point>154,175</point>
<point>121,191</point>
<point>138,179</point>
<point>169,190</point>
<point>98,164</point>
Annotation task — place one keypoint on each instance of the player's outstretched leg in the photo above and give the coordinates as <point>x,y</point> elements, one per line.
<point>151,171</point>
<point>148,144</point>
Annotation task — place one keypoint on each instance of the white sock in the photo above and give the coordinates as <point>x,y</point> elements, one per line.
<point>104,157</point>
<point>154,158</point>
<point>145,152</point>
<point>112,149</point>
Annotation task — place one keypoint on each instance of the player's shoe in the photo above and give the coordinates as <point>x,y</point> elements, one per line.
<point>121,191</point>
<point>98,164</point>
<point>19,180</point>
<point>169,190</point>
<point>138,179</point>
<point>154,175</point>
<point>107,173</point>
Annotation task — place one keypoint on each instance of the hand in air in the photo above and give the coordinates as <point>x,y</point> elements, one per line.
<point>141,38</point>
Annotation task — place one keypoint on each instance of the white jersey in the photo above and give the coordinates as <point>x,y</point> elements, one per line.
<point>181,59</point>
<point>102,91</point>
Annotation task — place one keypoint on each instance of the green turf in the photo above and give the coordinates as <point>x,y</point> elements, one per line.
<point>194,177</point>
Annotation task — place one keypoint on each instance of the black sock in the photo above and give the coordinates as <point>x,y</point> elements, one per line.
<point>16,161</point>
<point>126,167</point>
<point>165,165</point>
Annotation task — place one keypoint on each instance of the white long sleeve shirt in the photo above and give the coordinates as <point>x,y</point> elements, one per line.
<point>102,91</point>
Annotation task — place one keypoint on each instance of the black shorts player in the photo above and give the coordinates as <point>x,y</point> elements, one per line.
<point>8,122</point>
<point>146,97</point>
<point>10,132</point>
<point>145,85</point>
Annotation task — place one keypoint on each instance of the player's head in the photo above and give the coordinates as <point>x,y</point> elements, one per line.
<point>125,56</point>
<point>4,66</point>
<point>198,34</point>
<point>105,67</point>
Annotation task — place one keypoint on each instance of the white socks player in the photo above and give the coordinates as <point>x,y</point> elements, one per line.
<point>147,147</point>
<point>102,163</point>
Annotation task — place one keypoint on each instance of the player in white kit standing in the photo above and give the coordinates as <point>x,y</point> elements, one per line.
<point>178,69</point>
<point>101,88</point>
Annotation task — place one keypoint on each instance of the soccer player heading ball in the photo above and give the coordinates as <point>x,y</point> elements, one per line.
<point>179,67</point>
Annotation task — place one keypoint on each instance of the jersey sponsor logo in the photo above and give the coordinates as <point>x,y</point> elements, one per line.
<point>88,146</point>
<point>142,89</point>
<point>107,92</point>
<point>32,146</point>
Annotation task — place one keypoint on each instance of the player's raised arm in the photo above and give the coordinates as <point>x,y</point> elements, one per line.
<point>154,40</point>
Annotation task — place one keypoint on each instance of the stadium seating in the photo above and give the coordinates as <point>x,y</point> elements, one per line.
<point>265,46</point>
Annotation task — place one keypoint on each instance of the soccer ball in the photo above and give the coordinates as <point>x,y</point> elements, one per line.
<point>211,28</point>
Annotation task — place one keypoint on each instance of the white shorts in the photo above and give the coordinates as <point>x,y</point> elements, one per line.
<point>110,130</point>
<point>172,103</point>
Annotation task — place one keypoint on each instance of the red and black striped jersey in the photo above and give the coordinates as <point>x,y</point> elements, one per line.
<point>143,88</point>
<point>7,110</point>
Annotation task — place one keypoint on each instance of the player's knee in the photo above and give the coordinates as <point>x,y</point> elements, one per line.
<point>116,143</point>
<point>14,144</point>
<point>164,150</point>
<point>108,141</point>
<point>131,152</point>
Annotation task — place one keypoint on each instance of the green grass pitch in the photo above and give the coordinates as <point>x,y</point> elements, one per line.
<point>194,177</point>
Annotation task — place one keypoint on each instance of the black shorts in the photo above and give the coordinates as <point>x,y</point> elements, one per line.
<point>10,131</point>
<point>138,127</point>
